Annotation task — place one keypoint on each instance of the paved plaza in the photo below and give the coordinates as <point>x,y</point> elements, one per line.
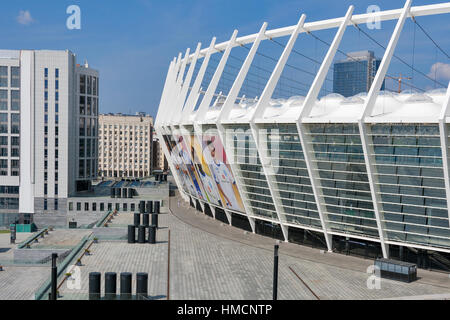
<point>214,261</point>
<point>206,266</point>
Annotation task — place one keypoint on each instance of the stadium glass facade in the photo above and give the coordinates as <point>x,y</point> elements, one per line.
<point>370,170</point>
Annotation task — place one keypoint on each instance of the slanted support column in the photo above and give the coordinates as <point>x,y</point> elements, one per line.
<point>195,93</point>
<point>252,224</point>
<point>261,144</point>
<point>228,214</point>
<point>269,172</point>
<point>203,108</point>
<point>234,91</point>
<point>177,107</point>
<point>185,86</point>
<point>305,140</point>
<point>363,128</point>
<point>164,94</point>
<point>444,132</point>
<point>230,157</point>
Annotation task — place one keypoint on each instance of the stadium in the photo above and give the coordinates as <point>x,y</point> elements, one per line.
<point>256,138</point>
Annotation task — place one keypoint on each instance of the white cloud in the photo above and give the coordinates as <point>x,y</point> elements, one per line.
<point>25,17</point>
<point>440,71</point>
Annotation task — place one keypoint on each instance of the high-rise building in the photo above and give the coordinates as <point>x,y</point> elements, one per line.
<point>125,145</point>
<point>48,132</point>
<point>355,74</point>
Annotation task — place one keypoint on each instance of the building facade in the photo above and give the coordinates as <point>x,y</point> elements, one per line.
<point>45,99</point>
<point>355,74</point>
<point>125,145</point>
<point>159,161</point>
<point>369,170</point>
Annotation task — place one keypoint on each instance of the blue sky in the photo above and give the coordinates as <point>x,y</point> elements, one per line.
<point>132,42</point>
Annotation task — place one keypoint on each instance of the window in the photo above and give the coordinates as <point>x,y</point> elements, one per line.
<point>56,96</point>
<point>78,206</point>
<point>56,189</point>
<point>70,206</point>
<point>57,107</point>
<point>3,76</point>
<point>56,84</point>
<point>109,206</point>
<point>46,72</point>
<point>3,99</point>
<point>102,206</point>
<point>15,100</point>
<point>45,205</point>
<point>45,189</point>
<point>86,206</point>
<point>125,207</point>
<point>56,204</point>
<point>56,73</point>
<point>94,206</point>
<point>117,206</point>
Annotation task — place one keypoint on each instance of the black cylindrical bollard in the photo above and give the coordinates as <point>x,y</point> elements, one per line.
<point>155,220</point>
<point>152,234</point>
<point>94,285</point>
<point>131,234</point>
<point>149,207</point>
<point>141,206</point>
<point>141,285</point>
<point>275,272</point>
<point>110,285</point>
<point>137,219</point>
<point>141,234</point>
<point>157,207</point>
<point>54,294</point>
<point>125,285</point>
<point>146,219</point>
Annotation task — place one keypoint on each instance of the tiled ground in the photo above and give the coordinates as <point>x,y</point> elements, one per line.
<point>205,266</point>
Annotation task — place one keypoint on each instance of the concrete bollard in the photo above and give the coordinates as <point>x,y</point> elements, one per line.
<point>152,234</point>
<point>146,219</point>
<point>131,234</point>
<point>125,285</point>
<point>94,285</point>
<point>137,219</point>
<point>141,285</point>
<point>141,234</point>
<point>155,220</point>
<point>110,285</point>
<point>149,206</point>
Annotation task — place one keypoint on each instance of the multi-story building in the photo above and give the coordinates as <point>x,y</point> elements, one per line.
<point>46,101</point>
<point>125,145</point>
<point>159,161</point>
<point>355,74</point>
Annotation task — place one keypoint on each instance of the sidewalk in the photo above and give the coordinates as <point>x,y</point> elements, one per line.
<point>201,221</point>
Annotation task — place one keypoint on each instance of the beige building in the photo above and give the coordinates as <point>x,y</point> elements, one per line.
<point>125,143</point>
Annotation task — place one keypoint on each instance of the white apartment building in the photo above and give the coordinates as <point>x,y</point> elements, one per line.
<point>125,145</point>
<point>48,132</point>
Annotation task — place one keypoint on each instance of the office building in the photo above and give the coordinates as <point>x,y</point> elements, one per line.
<point>355,74</point>
<point>125,145</point>
<point>48,132</point>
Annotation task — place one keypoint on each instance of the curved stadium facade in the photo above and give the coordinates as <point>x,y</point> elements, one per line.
<point>371,169</point>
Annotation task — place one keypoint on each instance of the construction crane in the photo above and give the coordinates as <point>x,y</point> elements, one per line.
<point>399,80</point>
